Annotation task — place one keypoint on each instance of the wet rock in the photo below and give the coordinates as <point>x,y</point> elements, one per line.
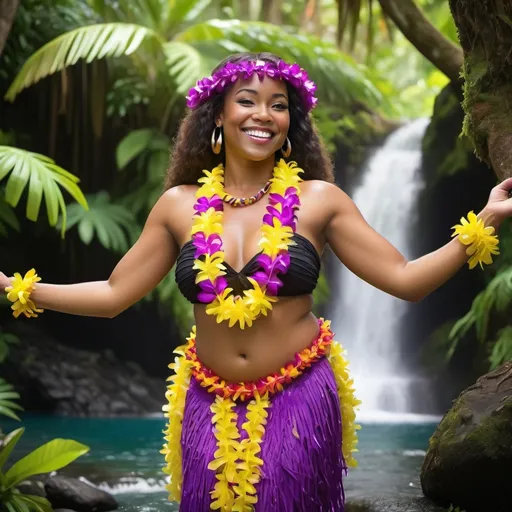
<point>69,493</point>
<point>469,461</point>
<point>58,379</point>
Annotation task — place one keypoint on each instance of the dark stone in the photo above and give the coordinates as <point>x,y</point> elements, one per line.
<point>57,379</point>
<point>469,460</point>
<point>65,492</point>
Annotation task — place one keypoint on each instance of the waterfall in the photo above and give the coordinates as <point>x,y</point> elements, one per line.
<point>366,320</point>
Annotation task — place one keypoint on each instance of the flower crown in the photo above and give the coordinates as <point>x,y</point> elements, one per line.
<point>231,72</point>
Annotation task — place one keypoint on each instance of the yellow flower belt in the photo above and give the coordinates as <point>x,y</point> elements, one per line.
<point>270,384</point>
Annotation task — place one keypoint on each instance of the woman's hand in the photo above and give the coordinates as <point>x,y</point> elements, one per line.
<point>499,205</point>
<point>4,282</point>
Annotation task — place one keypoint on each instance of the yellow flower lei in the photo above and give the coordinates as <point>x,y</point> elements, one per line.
<point>348,403</point>
<point>19,293</point>
<point>237,462</point>
<point>174,411</point>
<point>481,241</point>
<point>242,309</point>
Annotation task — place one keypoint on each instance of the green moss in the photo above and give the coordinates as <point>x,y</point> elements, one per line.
<point>493,433</point>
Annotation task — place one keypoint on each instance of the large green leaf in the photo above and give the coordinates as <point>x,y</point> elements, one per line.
<point>340,80</point>
<point>132,145</point>
<point>8,444</point>
<point>43,177</point>
<point>36,503</point>
<point>49,457</point>
<point>113,224</point>
<point>89,43</point>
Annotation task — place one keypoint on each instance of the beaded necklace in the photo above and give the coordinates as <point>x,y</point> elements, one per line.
<point>246,201</point>
<point>279,225</point>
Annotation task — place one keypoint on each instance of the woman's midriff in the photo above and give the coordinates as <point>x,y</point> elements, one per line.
<point>245,355</point>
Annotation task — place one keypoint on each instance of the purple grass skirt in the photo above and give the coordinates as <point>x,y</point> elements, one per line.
<point>302,457</point>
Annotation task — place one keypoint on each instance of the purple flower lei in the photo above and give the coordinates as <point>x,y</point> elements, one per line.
<point>231,72</point>
<point>267,277</point>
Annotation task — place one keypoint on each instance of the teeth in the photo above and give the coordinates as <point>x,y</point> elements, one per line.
<point>259,134</point>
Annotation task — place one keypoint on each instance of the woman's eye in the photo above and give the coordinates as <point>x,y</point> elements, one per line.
<point>245,102</point>
<point>281,106</point>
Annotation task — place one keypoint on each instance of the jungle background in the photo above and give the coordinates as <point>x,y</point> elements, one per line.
<point>91,95</point>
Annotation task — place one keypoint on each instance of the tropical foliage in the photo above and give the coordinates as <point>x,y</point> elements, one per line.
<point>43,178</point>
<point>489,312</point>
<point>49,457</point>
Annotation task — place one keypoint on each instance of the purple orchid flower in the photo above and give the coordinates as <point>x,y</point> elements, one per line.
<point>204,203</point>
<point>287,217</point>
<point>271,283</point>
<point>209,290</point>
<point>271,267</point>
<point>289,200</point>
<point>206,245</point>
<point>279,264</point>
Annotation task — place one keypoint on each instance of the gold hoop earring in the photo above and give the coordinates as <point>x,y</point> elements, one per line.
<point>288,151</point>
<point>216,141</point>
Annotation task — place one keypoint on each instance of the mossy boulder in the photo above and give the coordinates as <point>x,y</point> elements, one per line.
<point>469,460</point>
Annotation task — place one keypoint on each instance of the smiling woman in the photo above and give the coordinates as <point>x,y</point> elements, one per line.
<point>246,230</point>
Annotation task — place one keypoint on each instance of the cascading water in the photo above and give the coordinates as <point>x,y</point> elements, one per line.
<point>366,320</point>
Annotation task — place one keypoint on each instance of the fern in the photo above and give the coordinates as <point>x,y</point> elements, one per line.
<point>7,405</point>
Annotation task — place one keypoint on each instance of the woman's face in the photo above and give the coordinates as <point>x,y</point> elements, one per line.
<point>255,118</point>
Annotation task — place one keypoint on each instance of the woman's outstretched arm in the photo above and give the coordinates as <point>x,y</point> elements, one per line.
<point>138,272</point>
<point>370,256</point>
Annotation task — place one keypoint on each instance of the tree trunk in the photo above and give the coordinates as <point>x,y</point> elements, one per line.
<point>310,19</point>
<point>411,21</point>
<point>245,9</point>
<point>485,34</point>
<point>8,9</point>
<point>271,11</point>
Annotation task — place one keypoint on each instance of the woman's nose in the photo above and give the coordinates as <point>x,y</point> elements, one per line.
<point>262,115</point>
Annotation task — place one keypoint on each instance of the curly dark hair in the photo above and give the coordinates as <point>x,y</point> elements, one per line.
<point>192,150</point>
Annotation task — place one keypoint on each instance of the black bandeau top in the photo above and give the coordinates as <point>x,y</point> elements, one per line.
<point>301,278</point>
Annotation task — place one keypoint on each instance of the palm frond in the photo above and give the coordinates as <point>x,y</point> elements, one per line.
<point>43,178</point>
<point>89,43</point>
<point>341,81</point>
<point>112,224</point>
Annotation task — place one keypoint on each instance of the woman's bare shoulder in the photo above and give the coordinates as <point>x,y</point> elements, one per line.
<point>179,204</point>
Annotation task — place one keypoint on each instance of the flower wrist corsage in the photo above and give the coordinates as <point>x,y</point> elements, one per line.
<point>481,241</point>
<point>19,294</point>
